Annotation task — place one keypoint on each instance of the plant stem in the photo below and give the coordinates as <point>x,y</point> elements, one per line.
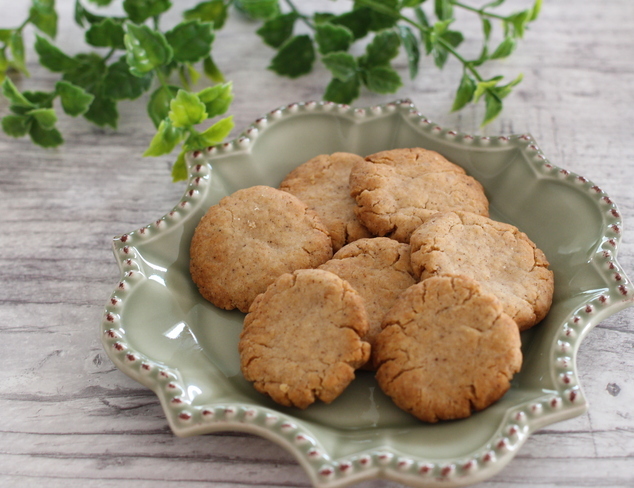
<point>303,17</point>
<point>479,11</point>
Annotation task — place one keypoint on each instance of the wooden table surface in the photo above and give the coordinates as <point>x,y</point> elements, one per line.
<point>70,418</point>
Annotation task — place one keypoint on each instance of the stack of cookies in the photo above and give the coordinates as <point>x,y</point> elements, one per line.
<point>388,263</point>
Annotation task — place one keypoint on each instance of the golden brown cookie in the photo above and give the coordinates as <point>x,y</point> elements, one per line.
<point>397,190</point>
<point>503,259</point>
<point>322,184</point>
<point>379,269</point>
<point>251,237</point>
<point>446,349</point>
<point>302,338</point>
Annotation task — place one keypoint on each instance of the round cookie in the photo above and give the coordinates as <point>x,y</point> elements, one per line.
<point>446,349</point>
<point>379,270</point>
<point>302,338</point>
<point>322,183</point>
<point>503,259</point>
<point>397,190</point>
<point>250,238</point>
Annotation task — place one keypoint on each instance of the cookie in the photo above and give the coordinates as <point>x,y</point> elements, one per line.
<point>397,190</point>
<point>502,258</point>
<point>447,349</point>
<point>379,270</point>
<point>251,237</point>
<point>302,338</point>
<point>322,184</point>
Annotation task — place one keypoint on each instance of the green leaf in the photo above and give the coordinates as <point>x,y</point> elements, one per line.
<point>504,90</point>
<point>146,49</point>
<point>52,57</point>
<point>75,100</point>
<point>212,71</point>
<point>141,10</point>
<point>103,111</point>
<point>212,136</point>
<point>17,50</point>
<point>483,86</point>
<point>383,14</point>
<point>159,104</point>
<point>101,3</point>
<point>5,35</point>
<point>343,91</point>
<point>382,49</point>
<point>493,107</point>
<point>186,109</point>
<point>454,38</point>
<point>43,16</point>
<point>120,84</point>
<point>421,16</point>
<point>343,66</point>
<point>16,125</point>
<point>331,38</point>
<point>537,7</point>
<point>211,11</point>
<point>40,99</point>
<point>504,49</point>
<point>382,79</point>
<point>357,20</point>
<point>46,117</point>
<point>443,9</point>
<point>259,9</point>
<point>486,29</point>
<point>44,137</point>
<point>179,170</point>
<point>88,72</point>
<point>82,14</point>
<point>410,43</point>
<point>277,30</point>
<point>190,40</point>
<point>165,139</point>
<point>107,33</point>
<point>411,3</point>
<point>295,58</point>
<point>217,99</point>
<point>11,92</point>
<point>465,92</point>
<point>519,21</point>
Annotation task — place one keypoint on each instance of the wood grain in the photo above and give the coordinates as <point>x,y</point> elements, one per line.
<point>69,418</point>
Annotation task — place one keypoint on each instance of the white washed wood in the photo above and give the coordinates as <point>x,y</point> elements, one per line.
<point>69,418</point>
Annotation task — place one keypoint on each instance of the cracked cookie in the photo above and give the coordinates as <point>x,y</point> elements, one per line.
<point>397,190</point>
<point>251,237</point>
<point>446,349</point>
<point>498,255</point>
<point>322,183</point>
<point>302,338</point>
<point>379,270</point>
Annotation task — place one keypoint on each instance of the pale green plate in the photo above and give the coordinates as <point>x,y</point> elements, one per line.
<point>159,330</point>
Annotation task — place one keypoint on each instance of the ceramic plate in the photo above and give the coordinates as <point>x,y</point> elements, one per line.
<point>158,329</point>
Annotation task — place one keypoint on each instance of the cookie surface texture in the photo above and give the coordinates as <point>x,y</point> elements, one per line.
<point>501,257</point>
<point>250,238</point>
<point>322,183</point>
<point>447,349</point>
<point>301,340</point>
<point>397,190</point>
<point>379,270</point>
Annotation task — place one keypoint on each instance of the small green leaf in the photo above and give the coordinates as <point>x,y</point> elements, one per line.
<point>141,10</point>
<point>210,11</point>
<point>259,9</point>
<point>382,79</point>
<point>537,7</point>
<point>217,99</point>
<point>493,107</point>
<point>383,14</point>
<point>504,90</point>
<point>101,3</point>
<point>212,71</point>
<point>11,92</point>
<point>357,20</point>
<point>383,48</point>
<point>43,16</point>
<point>179,170</point>
<point>278,30</point>
<point>44,137</point>
<point>17,50</point>
<point>295,58</point>
<point>332,38</point>
<point>421,16</point>
<point>343,66</point>
<point>465,92</point>
<point>186,109</point>
<point>504,49</point>
<point>52,57</point>
<point>519,21</point>
<point>212,136</point>
<point>82,14</point>
<point>443,9</point>
<point>410,43</point>
<point>190,40</point>
<point>5,35</point>
<point>483,86</point>
<point>165,139</point>
<point>343,91</point>
<point>46,117</point>
<point>75,100</point>
<point>88,72</point>
<point>159,104</point>
<point>120,84</point>
<point>411,3</point>
<point>106,33</point>
<point>486,29</point>
<point>16,125</point>
<point>40,99</point>
<point>147,49</point>
<point>103,111</point>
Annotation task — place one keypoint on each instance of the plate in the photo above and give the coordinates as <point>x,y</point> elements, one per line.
<point>158,330</point>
